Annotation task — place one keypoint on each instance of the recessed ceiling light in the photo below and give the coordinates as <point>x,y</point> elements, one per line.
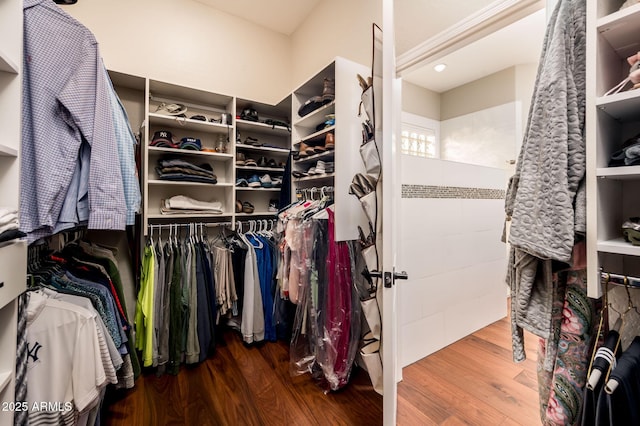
<point>440,67</point>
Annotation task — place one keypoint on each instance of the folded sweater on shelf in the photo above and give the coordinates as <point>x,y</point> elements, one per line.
<point>182,204</point>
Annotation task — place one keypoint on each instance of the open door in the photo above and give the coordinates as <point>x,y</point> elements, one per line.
<point>390,108</point>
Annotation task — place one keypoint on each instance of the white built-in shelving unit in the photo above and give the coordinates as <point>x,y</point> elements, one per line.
<point>347,132</point>
<point>610,120</point>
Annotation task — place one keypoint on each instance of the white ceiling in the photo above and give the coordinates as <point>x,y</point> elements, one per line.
<point>518,43</point>
<point>282,16</point>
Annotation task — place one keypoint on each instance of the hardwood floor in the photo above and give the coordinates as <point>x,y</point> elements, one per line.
<point>243,385</point>
<point>473,382</point>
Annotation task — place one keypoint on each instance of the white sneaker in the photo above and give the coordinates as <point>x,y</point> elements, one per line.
<point>266,181</point>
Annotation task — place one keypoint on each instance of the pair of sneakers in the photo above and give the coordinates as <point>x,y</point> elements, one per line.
<point>322,167</point>
<point>264,181</point>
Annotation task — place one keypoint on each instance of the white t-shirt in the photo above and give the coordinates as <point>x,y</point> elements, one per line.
<point>64,369</point>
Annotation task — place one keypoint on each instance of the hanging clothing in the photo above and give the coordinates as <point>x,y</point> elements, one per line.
<point>617,403</point>
<point>549,181</point>
<point>68,361</point>
<point>145,328</point>
<point>65,107</point>
<point>327,325</point>
<point>561,390</point>
<point>126,143</point>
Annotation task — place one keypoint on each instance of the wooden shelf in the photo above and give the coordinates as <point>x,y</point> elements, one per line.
<point>618,246</point>
<point>261,148</point>
<point>244,188</point>
<point>187,215</point>
<point>316,117</point>
<point>315,177</point>
<point>161,150</point>
<point>320,156</point>
<point>266,169</point>
<point>256,213</point>
<point>5,379</point>
<point>622,106</point>
<point>620,30</point>
<point>317,135</point>
<point>259,127</point>
<point>7,151</point>
<point>8,64</point>
<point>619,173</point>
<point>188,124</point>
<point>185,183</point>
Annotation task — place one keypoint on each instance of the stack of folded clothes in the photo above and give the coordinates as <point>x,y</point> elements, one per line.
<point>9,228</point>
<point>629,155</point>
<point>181,204</point>
<point>181,170</point>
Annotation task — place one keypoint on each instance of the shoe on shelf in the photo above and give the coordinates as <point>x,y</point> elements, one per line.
<point>305,150</point>
<point>266,181</point>
<point>299,174</point>
<point>272,163</point>
<point>318,147</point>
<point>312,171</point>
<point>247,207</point>
<point>329,167</point>
<point>238,206</point>
<point>277,182</point>
<point>254,182</point>
<point>631,230</point>
<point>330,141</point>
<point>240,159</point>
<point>262,162</point>
<point>250,162</point>
<point>242,183</point>
<point>273,205</point>
<point>328,90</point>
<point>320,167</point>
<point>249,140</point>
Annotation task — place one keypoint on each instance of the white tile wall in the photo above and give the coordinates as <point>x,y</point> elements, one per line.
<point>486,137</point>
<point>452,252</point>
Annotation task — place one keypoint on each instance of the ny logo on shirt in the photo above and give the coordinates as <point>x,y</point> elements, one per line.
<point>33,351</point>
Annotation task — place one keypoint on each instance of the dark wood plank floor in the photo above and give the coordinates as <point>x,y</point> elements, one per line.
<point>243,385</point>
<point>472,382</point>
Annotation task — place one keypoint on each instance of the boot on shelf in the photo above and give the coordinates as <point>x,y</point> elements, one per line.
<point>328,90</point>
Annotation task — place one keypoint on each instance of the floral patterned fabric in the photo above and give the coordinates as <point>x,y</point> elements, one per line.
<point>561,389</point>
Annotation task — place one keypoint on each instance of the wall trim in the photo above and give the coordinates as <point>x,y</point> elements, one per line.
<point>496,15</point>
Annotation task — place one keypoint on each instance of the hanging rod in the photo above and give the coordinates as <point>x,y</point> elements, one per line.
<point>186,225</point>
<point>620,280</point>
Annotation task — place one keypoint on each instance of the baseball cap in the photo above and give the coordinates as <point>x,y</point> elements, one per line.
<point>190,143</point>
<point>163,139</point>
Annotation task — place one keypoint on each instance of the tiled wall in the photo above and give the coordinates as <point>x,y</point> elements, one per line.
<point>451,223</point>
<point>487,137</point>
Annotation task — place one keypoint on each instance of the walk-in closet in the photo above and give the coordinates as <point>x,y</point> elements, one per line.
<point>319,212</point>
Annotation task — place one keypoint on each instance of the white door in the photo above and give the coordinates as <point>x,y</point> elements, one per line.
<point>391,192</point>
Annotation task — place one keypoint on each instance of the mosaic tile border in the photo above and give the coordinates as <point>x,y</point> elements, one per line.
<point>431,191</point>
